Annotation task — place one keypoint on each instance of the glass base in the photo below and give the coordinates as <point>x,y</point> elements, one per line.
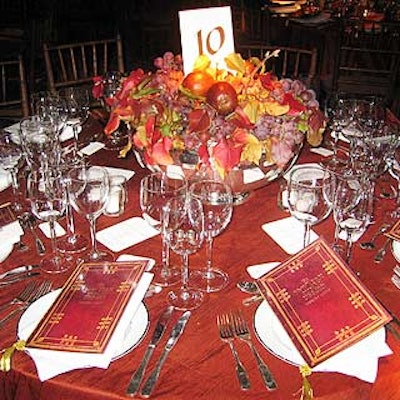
<point>166,276</point>
<point>185,299</point>
<point>98,256</point>
<point>116,142</point>
<point>212,280</point>
<point>72,244</point>
<point>55,264</point>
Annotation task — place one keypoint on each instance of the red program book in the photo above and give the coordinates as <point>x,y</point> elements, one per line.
<point>85,314</point>
<point>322,304</point>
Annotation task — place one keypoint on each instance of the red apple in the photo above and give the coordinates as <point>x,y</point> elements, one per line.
<point>223,97</point>
<point>198,82</point>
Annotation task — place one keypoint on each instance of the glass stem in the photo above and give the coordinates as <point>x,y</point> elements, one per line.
<point>70,220</point>
<point>92,222</point>
<point>164,253</point>
<point>349,245</point>
<point>209,254</point>
<point>15,189</point>
<point>185,271</point>
<point>307,231</point>
<point>53,237</point>
<point>76,137</point>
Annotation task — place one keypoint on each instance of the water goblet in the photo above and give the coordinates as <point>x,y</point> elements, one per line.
<point>309,189</point>
<point>155,190</point>
<point>47,197</point>
<point>89,191</point>
<point>217,201</point>
<point>183,224</point>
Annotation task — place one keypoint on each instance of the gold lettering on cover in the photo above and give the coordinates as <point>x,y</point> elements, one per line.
<point>56,318</point>
<point>104,323</point>
<point>305,329</point>
<point>124,286</point>
<point>68,340</point>
<point>357,300</point>
<point>344,333</point>
<point>295,266</point>
<point>329,266</point>
<point>312,289</point>
<point>283,295</point>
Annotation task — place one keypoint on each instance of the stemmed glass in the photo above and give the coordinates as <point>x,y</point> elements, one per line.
<point>10,158</point>
<point>183,224</point>
<point>47,197</point>
<point>393,163</point>
<point>155,190</point>
<point>309,191</point>
<point>89,191</point>
<point>350,211</point>
<point>72,242</point>
<point>217,201</point>
<point>76,103</point>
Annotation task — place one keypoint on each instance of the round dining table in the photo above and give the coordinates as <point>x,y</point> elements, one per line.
<point>200,366</point>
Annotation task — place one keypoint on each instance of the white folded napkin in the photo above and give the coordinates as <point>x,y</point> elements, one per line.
<point>50,363</point>
<point>252,175</point>
<point>45,228</point>
<point>359,360</point>
<point>9,235</point>
<point>68,133</point>
<point>5,180</point>
<point>322,151</point>
<point>126,234</point>
<point>92,148</point>
<point>288,233</point>
<point>127,173</point>
<point>131,257</point>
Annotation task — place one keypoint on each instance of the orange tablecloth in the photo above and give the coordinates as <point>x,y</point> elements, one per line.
<point>201,365</point>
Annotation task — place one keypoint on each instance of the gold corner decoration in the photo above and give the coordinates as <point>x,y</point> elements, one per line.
<point>5,361</point>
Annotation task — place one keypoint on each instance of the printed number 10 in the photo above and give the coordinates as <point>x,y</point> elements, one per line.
<point>205,44</point>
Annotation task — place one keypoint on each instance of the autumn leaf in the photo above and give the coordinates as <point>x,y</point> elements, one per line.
<point>226,155</point>
<point>201,63</point>
<point>274,108</point>
<point>199,120</point>
<point>252,151</point>
<point>235,62</point>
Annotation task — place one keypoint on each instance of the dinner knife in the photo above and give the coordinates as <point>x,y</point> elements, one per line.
<point>157,334</point>
<point>175,335</point>
<point>18,270</point>
<point>18,278</point>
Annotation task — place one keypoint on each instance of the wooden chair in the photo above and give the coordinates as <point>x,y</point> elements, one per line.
<point>292,62</point>
<point>367,60</point>
<point>76,64</point>
<point>14,99</point>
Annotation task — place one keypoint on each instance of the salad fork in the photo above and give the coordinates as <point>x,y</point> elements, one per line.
<point>227,335</point>
<point>242,332</point>
<point>44,288</point>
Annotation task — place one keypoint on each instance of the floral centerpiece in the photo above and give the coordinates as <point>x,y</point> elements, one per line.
<point>212,118</point>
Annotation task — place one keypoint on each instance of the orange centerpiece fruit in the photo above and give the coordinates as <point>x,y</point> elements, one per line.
<point>198,82</point>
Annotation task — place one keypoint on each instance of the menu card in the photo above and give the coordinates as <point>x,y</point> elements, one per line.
<point>85,314</point>
<point>321,303</point>
<point>394,232</point>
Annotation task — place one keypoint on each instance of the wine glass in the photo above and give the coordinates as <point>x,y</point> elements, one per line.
<point>76,103</point>
<point>72,242</point>
<point>217,201</point>
<point>10,158</point>
<point>183,224</point>
<point>308,198</point>
<point>47,197</point>
<point>350,211</point>
<point>155,190</point>
<point>89,191</point>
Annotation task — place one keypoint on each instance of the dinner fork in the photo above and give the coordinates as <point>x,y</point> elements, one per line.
<point>242,331</point>
<point>44,288</point>
<point>22,297</point>
<point>226,334</point>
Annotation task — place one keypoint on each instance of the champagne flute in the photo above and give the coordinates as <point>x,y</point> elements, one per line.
<point>308,196</point>
<point>217,201</point>
<point>47,197</point>
<point>155,190</point>
<point>183,224</point>
<point>89,191</point>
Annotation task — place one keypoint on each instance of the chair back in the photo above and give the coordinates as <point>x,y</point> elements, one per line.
<point>368,59</point>
<point>14,99</point>
<point>292,62</point>
<point>76,64</point>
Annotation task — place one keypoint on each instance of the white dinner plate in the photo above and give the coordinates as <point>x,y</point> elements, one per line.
<point>396,250</point>
<point>273,336</point>
<point>36,311</point>
<point>5,180</point>
<point>5,251</point>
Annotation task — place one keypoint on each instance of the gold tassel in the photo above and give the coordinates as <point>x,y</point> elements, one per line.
<point>5,361</point>
<point>306,390</point>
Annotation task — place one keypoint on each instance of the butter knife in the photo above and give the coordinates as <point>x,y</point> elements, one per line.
<point>18,278</point>
<point>175,335</point>
<point>157,334</point>
<point>18,270</point>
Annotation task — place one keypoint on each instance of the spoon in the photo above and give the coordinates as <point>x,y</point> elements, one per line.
<point>248,287</point>
<point>371,244</point>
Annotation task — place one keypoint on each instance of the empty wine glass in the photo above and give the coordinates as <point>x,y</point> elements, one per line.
<point>183,224</point>
<point>217,201</point>
<point>10,158</point>
<point>89,191</point>
<point>350,211</point>
<point>308,199</point>
<point>155,190</point>
<point>47,197</point>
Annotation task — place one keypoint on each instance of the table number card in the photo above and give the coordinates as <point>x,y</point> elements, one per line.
<point>206,31</point>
